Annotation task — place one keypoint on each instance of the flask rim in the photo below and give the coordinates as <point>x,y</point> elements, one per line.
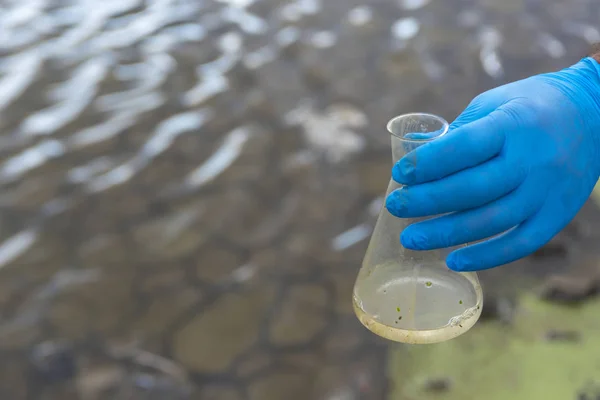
<point>444,129</point>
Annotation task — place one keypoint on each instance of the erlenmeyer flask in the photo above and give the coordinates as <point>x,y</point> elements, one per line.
<point>411,296</point>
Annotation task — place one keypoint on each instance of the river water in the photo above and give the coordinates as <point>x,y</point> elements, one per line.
<point>187,186</point>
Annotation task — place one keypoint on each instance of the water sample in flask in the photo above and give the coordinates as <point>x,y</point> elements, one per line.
<point>412,296</point>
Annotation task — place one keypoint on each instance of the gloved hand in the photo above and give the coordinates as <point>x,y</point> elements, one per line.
<point>520,161</point>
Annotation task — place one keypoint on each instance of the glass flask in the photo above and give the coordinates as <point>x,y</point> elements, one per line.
<point>412,296</point>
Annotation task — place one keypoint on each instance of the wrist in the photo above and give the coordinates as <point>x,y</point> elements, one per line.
<point>580,84</point>
<point>595,53</point>
<point>583,83</point>
<point>587,73</point>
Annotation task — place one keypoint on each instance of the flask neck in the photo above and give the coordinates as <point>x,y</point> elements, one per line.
<point>410,131</point>
<point>401,147</point>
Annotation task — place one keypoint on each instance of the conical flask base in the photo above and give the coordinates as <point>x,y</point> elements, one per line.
<point>411,296</point>
<point>428,305</point>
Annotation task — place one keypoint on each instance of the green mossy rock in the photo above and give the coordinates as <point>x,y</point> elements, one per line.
<point>498,362</point>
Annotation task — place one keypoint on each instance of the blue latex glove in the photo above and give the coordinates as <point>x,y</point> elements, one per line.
<point>520,161</point>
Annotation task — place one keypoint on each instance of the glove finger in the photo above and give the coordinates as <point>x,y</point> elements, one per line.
<point>479,107</point>
<point>462,148</point>
<point>466,189</point>
<point>517,243</point>
<point>474,224</point>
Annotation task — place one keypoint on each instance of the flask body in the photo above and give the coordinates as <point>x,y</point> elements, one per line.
<point>411,296</point>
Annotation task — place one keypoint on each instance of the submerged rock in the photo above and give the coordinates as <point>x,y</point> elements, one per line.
<point>554,249</point>
<point>53,362</point>
<point>438,385</point>
<point>569,289</point>
<point>563,336</point>
<point>498,308</point>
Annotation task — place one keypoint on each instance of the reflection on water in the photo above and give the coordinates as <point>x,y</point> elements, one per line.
<point>187,185</point>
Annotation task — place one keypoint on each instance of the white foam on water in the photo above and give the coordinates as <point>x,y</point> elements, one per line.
<point>65,16</point>
<point>16,39</point>
<point>116,176</point>
<point>291,13</point>
<point>413,4</point>
<point>221,159</point>
<point>230,42</point>
<point>22,71</point>
<point>260,57</point>
<point>31,158</point>
<point>554,47</point>
<point>128,72</point>
<point>168,130</point>
<point>90,25</point>
<point>51,119</point>
<point>159,44</point>
<point>309,7</point>
<point>222,65</point>
<point>490,37</point>
<point>89,71</point>
<point>211,83</point>
<point>361,15</point>
<point>103,131</point>
<point>589,33</point>
<point>406,28</point>
<point>490,40</point>
<point>151,75</point>
<point>142,26</point>
<point>329,132</point>
<point>161,139</point>
<point>347,116</point>
<point>86,172</point>
<point>136,104</point>
<point>146,23</point>
<point>350,237</point>
<point>287,36</point>
<point>176,224</point>
<point>237,3</point>
<point>490,61</point>
<point>374,207</point>
<point>15,246</point>
<point>323,39</point>
<point>22,14</point>
<point>66,278</point>
<point>247,22</point>
<point>243,274</point>
<point>117,7</point>
<point>187,32</point>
